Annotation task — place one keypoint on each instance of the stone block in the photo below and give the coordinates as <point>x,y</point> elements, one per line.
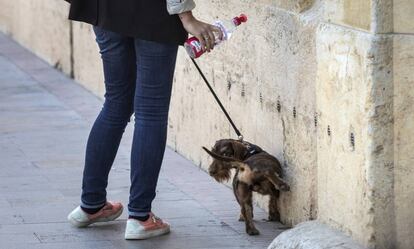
<point>351,13</point>
<point>46,34</point>
<point>313,235</point>
<point>382,16</point>
<point>403,13</point>
<point>6,16</point>
<point>403,139</point>
<point>87,66</point>
<point>351,71</point>
<point>297,6</point>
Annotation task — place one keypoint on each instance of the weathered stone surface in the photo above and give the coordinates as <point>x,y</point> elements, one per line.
<point>313,235</point>
<point>269,61</point>
<point>382,16</point>
<point>403,16</point>
<point>355,156</point>
<point>87,67</point>
<point>380,150</point>
<point>403,139</point>
<point>290,5</point>
<point>342,88</point>
<point>350,13</point>
<point>41,26</point>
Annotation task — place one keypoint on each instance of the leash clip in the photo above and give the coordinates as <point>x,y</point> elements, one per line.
<point>241,138</point>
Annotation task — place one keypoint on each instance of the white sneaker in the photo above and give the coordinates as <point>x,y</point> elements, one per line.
<point>152,227</point>
<point>109,212</point>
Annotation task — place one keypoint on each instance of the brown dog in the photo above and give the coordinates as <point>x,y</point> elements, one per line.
<point>256,170</point>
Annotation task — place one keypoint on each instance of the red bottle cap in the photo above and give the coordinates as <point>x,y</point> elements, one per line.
<point>240,19</point>
<point>243,18</point>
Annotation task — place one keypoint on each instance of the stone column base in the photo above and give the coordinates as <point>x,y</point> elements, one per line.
<point>313,235</point>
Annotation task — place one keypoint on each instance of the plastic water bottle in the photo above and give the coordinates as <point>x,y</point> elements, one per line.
<point>193,45</point>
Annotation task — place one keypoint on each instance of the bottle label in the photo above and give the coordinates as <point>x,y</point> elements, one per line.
<point>194,44</point>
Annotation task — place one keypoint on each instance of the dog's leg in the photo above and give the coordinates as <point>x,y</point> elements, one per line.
<point>274,214</point>
<point>245,198</point>
<point>241,218</point>
<point>250,228</point>
<point>236,194</point>
<point>277,182</point>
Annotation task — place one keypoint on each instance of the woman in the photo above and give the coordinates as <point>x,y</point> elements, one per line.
<point>138,41</point>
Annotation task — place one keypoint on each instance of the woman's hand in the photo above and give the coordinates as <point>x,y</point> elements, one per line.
<point>204,32</point>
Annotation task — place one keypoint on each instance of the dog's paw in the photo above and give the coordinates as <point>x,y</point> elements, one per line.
<point>252,231</point>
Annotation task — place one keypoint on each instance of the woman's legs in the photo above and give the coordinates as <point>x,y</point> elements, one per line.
<point>119,64</point>
<point>155,70</point>
<point>138,77</point>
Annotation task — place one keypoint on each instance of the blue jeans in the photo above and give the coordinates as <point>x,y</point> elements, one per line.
<point>138,79</point>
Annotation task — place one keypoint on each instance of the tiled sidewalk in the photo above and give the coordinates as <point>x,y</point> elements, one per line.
<point>45,119</point>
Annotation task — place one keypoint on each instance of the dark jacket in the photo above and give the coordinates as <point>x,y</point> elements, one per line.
<point>144,19</point>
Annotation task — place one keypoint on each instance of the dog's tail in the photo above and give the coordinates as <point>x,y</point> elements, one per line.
<point>220,157</point>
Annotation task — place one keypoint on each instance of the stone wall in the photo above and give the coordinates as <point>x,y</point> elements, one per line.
<point>41,26</point>
<point>271,61</point>
<point>403,58</point>
<point>325,86</point>
<point>403,139</point>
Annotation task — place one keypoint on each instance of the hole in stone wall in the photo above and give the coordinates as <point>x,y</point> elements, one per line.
<point>278,106</point>
<point>261,98</point>
<point>243,91</point>
<point>352,140</point>
<point>315,120</point>
<point>329,130</point>
<point>294,112</point>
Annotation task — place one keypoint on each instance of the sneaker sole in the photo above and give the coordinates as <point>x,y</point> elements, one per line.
<point>85,224</point>
<point>147,235</point>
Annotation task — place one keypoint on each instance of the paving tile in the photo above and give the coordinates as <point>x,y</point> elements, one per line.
<point>17,167</point>
<point>18,238</point>
<point>58,164</point>
<point>10,72</point>
<point>65,245</point>
<point>4,204</point>
<point>202,241</point>
<point>60,232</point>
<point>23,183</point>
<point>9,216</point>
<point>28,62</point>
<point>179,209</point>
<point>172,196</point>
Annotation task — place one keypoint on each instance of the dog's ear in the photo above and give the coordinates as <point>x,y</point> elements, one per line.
<point>220,157</point>
<point>239,150</point>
